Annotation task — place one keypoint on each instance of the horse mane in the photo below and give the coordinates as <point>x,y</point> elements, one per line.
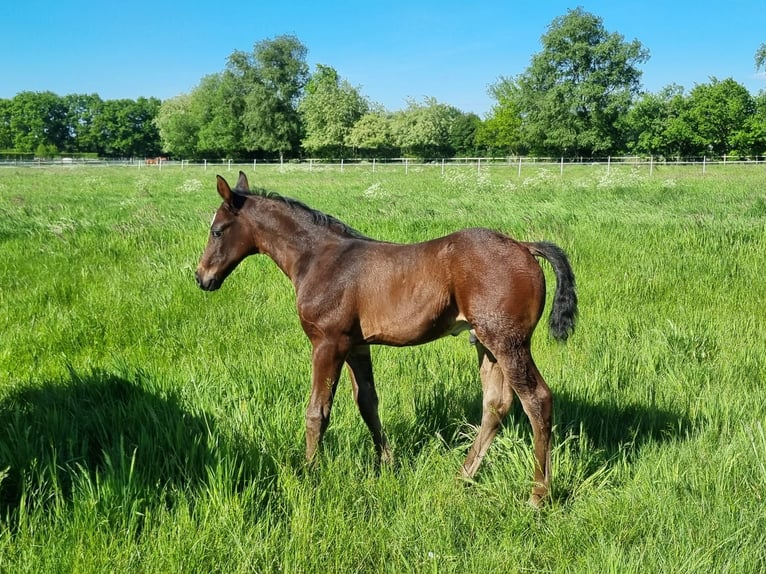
<point>317,217</point>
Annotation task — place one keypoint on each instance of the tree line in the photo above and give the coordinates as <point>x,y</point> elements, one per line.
<point>43,124</point>
<point>580,96</point>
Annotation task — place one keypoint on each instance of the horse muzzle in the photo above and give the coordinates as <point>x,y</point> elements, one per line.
<point>207,282</point>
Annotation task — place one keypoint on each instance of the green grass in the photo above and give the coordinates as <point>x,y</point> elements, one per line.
<point>147,426</point>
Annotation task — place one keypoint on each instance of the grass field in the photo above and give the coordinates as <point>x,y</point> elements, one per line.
<point>147,426</point>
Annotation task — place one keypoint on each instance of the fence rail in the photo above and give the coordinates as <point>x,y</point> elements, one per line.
<point>512,163</point>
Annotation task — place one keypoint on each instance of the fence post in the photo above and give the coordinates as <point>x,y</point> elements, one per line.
<point>519,166</point>
<point>406,166</point>
<point>373,165</point>
<point>442,167</point>
<point>608,165</point>
<point>704,162</point>
<point>651,165</point>
<point>254,163</point>
<point>561,171</point>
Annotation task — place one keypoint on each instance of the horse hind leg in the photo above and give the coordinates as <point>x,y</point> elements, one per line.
<point>360,369</point>
<point>497,399</point>
<point>537,400</point>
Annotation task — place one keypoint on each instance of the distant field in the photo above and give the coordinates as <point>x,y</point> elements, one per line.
<point>147,426</point>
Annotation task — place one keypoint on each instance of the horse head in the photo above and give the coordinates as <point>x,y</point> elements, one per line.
<point>230,240</point>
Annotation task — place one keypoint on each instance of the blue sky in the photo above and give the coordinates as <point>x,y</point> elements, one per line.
<point>393,50</point>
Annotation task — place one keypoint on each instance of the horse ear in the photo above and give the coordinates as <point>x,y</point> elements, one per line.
<point>224,190</point>
<point>242,183</point>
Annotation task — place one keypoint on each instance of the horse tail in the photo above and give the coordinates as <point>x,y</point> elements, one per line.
<point>564,311</point>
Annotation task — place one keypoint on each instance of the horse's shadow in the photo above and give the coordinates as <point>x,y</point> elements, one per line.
<point>615,430</point>
<point>102,431</point>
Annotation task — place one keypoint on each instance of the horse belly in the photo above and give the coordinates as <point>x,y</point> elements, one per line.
<point>409,316</point>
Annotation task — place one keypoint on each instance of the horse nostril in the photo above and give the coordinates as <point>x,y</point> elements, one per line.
<point>199,279</point>
<point>207,283</point>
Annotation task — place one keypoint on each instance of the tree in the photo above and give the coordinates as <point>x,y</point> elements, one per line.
<point>424,129</point>
<point>6,135</point>
<point>126,128</point>
<point>249,108</point>
<point>270,81</point>
<point>372,135</point>
<point>575,90</point>
<point>657,124</point>
<point>462,134</point>
<point>501,130</point>
<point>218,106</point>
<point>751,140</point>
<point>717,111</point>
<point>178,127</point>
<point>329,109</point>
<point>39,118</point>
<point>82,109</point>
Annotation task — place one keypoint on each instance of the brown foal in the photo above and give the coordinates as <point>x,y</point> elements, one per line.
<point>353,292</point>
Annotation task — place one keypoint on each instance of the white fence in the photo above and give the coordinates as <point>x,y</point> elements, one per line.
<point>517,164</point>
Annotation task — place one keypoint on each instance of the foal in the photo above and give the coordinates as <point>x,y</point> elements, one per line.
<point>353,292</point>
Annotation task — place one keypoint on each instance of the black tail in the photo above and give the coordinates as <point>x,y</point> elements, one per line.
<point>564,312</point>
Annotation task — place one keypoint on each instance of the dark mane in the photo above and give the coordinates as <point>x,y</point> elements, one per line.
<point>317,217</point>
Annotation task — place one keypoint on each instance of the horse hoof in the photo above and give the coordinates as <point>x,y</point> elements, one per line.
<point>386,458</point>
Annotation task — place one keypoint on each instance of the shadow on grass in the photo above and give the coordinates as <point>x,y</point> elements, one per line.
<point>609,427</point>
<point>112,437</point>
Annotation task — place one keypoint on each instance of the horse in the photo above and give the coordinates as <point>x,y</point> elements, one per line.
<point>352,291</point>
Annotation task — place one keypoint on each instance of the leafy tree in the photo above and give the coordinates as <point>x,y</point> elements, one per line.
<point>206,122</point>
<point>82,109</point>
<point>270,81</point>
<point>329,109</point>
<point>6,135</point>
<point>717,111</point>
<point>250,107</point>
<point>372,135</point>
<point>38,118</point>
<point>218,106</point>
<point>501,130</point>
<point>462,134</point>
<point>657,124</point>
<point>424,129</point>
<point>575,90</point>
<point>126,128</point>
<point>751,139</point>
<point>178,127</point>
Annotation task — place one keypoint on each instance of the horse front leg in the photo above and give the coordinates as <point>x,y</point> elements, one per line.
<point>327,360</point>
<point>360,368</point>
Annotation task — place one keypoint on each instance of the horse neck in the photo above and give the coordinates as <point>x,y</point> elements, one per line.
<point>287,235</point>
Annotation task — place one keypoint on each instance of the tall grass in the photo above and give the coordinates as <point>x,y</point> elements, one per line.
<point>148,426</point>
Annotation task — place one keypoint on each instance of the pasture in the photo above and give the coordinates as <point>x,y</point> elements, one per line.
<point>148,426</point>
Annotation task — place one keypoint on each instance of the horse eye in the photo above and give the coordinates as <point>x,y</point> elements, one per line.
<point>216,233</point>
